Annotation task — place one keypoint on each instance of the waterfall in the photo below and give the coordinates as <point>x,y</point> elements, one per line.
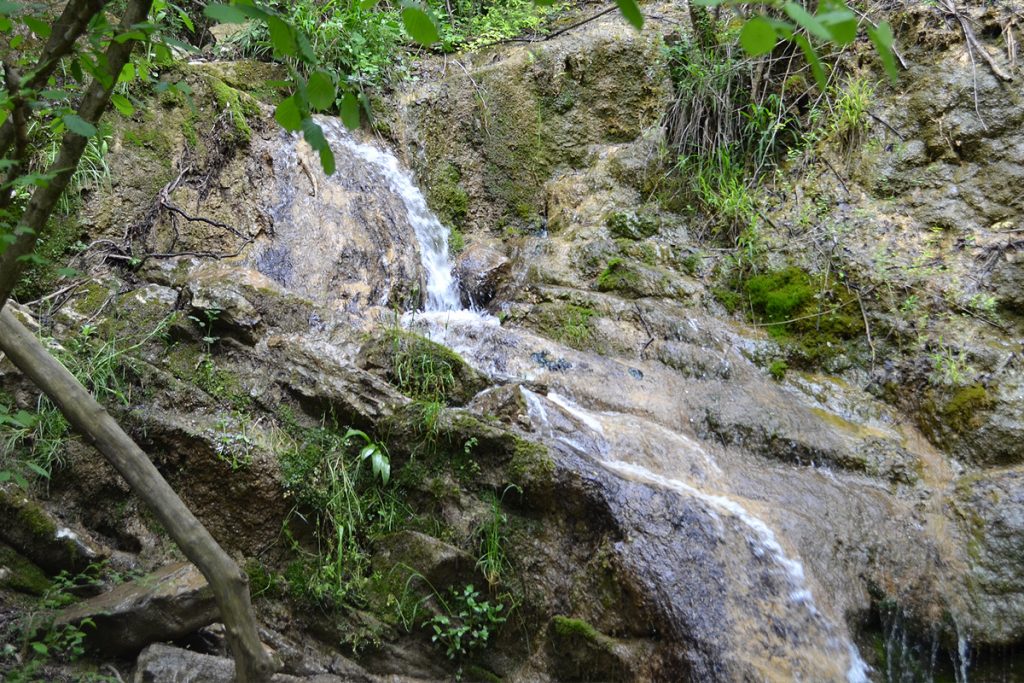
<point>442,287</point>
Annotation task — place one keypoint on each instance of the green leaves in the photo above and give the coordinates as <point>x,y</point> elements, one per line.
<point>833,23</point>
<point>631,11</point>
<point>122,104</point>
<point>379,462</point>
<point>806,20</point>
<point>758,36</point>
<point>76,124</point>
<point>419,25</point>
<point>350,111</point>
<point>288,114</point>
<point>321,90</point>
<point>225,14</point>
<point>314,135</point>
<point>881,36</point>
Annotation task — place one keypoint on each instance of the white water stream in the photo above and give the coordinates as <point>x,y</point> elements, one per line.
<point>442,287</point>
<point>442,306</point>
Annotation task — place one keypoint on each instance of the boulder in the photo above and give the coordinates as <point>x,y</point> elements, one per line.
<point>42,538</point>
<point>170,603</point>
<point>165,664</point>
<point>480,269</point>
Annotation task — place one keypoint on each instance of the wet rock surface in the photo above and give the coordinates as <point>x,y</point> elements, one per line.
<point>675,504</point>
<point>168,604</point>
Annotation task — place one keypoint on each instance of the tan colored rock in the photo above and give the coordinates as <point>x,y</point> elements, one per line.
<point>168,604</point>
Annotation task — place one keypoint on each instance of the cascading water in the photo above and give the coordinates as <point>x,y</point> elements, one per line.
<point>442,287</point>
<point>817,644</point>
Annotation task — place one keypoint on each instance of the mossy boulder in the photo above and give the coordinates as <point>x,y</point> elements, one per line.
<point>420,368</point>
<point>815,317</point>
<point>488,138</point>
<point>634,280</point>
<point>42,538</point>
<point>20,574</point>
<point>979,423</point>
<point>579,652</point>
<point>631,225</point>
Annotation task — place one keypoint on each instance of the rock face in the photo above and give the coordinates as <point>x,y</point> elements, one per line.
<point>668,508</point>
<point>486,140</point>
<point>171,603</point>
<point>43,538</point>
<point>339,239</point>
<point>991,508</point>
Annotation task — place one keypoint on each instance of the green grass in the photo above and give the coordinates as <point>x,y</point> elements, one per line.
<point>34,442</point>
<point>337,493</point>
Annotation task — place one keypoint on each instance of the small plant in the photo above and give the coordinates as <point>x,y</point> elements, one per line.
<point>778,369</point>
<point>849,112</point>
<point>344,502</point>
<point>493,561</point>
<point>949,366</point>
<point>576,327</point>
<point>467,623</point>
<point>206,324</point>
<point>231,441</point>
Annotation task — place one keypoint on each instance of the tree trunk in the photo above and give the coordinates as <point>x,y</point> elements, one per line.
<point>91,107</point>
<point>229,583</point>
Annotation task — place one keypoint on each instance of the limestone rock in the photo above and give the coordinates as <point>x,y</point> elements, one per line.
<point>165,664</point>
<point>168,604</point>
<point>440,563</point>
<point>991,507</point>
<point>480,269</point>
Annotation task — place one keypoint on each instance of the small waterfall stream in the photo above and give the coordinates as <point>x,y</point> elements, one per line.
<point>442,288</point>
<point>631,447</point>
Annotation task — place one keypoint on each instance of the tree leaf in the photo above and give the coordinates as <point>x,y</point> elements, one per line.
<point>881,36</point>
<point>38,26</point>
<point>350,111</point>
<point>288,114</point>
<point>282,37</point>
<point>225,14</point>
<point>812,59</point>
<point>76,124</point>
<point>758,36</point>
<point>122,104</point>
<point>314,135</point>
<point>631,11</point>
<point>806,20</point>
<point>841,25</point>
<point>321,90</point>
<point>419,25</point>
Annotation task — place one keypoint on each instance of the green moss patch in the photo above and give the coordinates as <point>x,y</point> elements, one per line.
<point>446,196</point>
<point>631,226</point>
<point>239,105</point>
<point>963,411</point>
<point>618,276</point>
<point>21,575</point>
<point>815,318</point>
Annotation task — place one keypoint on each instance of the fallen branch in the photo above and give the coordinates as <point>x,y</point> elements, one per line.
<point>88,417</point>
<point>972,40</point>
